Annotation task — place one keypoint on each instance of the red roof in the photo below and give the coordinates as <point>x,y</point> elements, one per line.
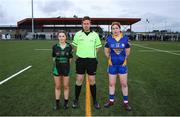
<point>76,21</point>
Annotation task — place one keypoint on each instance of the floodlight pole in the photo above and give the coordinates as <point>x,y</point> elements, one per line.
<point>32,17</point>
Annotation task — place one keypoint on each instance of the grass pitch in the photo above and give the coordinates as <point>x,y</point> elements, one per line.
<point>154,81</point>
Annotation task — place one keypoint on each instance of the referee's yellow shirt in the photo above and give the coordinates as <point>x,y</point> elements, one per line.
<point>86,44</point>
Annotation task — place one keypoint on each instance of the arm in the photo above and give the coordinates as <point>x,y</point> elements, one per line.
<point>127,54</point>
<point>107,52</point>
<point>71,54</point>
<point>75,43</point>
<point>75,40</point>
<point>98,43</point>
<point>128,49</point>
<point>53,55</point>
<point>74,48</point>
<point>70,60</point>
<point>97,50</point>
<point>53,61</point>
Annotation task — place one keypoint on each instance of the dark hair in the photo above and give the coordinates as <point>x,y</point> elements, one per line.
<point>86,18</point>
<point>62,31</point>
<point>116,23</point>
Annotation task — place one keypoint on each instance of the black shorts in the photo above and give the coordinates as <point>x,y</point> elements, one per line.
<point>61,69</point>
<point>88,65</point>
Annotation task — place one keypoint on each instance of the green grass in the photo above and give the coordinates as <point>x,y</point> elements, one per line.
<point>153,81</point>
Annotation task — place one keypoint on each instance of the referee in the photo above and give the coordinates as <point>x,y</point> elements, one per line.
<point>87,43</point>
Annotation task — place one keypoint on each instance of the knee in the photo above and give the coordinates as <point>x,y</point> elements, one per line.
<point>66,87</point>
<point>57,87</point>
<point>111,84</point>
<point>79,82</point>
<point>124,85</point>
<point>92,82</point>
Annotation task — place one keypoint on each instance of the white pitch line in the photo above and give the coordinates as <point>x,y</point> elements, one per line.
<point>157,49</point>
<point>43,49</point>
<point>147,51</point>
<point>15,75</point>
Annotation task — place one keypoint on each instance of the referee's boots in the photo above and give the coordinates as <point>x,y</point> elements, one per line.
<point>75,104</point>
<point>96,105</point>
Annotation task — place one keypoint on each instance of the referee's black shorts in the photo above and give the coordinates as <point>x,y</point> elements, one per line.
<point>88,65</point>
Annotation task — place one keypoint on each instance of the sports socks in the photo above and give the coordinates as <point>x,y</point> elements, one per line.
<point>111,97</point>
<point>93,92</point>
<point>66,101</point>
<point>77,91</point>
<point>57,102</point>
<point>125,98</point>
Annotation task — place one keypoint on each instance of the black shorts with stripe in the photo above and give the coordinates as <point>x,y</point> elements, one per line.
<point>88,65</point>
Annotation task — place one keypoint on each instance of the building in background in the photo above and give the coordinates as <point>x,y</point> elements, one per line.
<point>46,28</point>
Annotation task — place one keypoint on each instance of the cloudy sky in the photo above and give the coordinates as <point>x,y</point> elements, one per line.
<point>161,14</point>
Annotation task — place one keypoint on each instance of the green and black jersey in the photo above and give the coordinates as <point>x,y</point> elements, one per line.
<point>62,55</point>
